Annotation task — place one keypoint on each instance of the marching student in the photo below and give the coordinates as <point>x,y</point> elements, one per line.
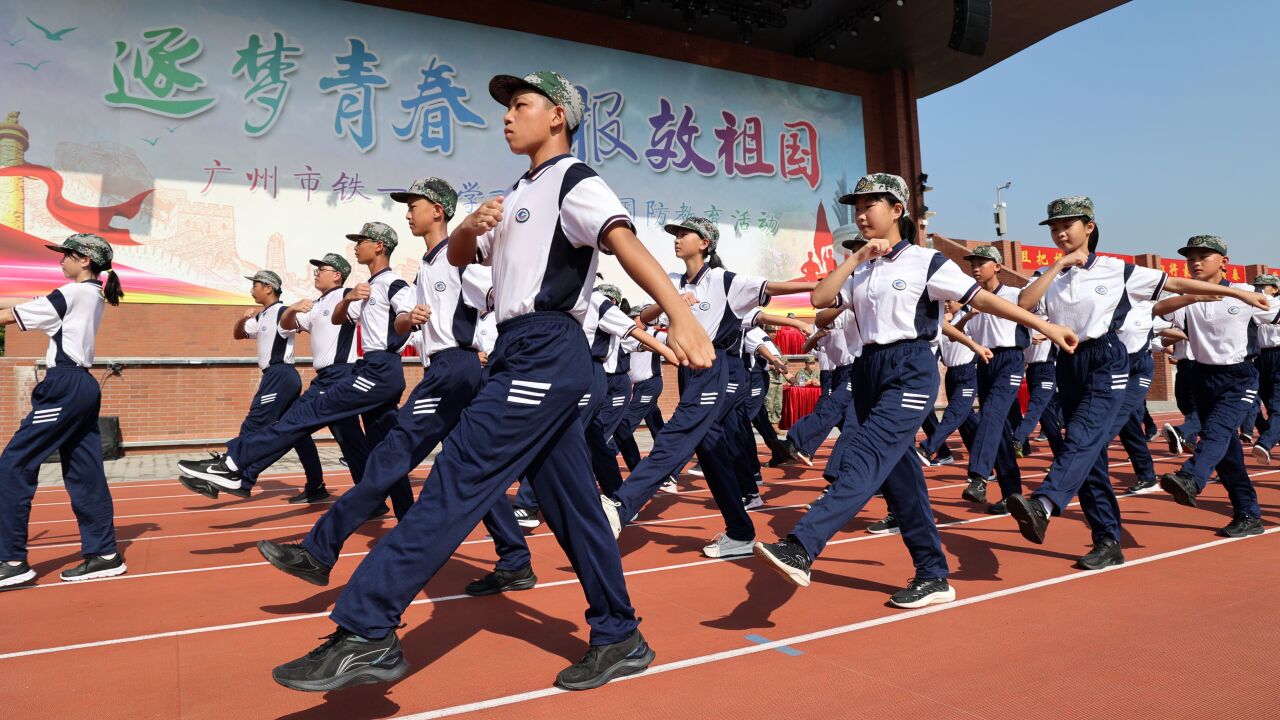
<point>645,373</point>
<point>63,417</point>
<point>1226,383</point>
<point>1090,294</point>
<point>541,241</point>
<point>1042,388</point>
<point>333,357</point>
<point>1182,437</point>
<point>896,289</point>
<point>705,422</point>
<point>1268,373</point>
<point>444,322</point>
<point>998,382</point>
<point>277,391</point>
<point>960,384</point>
<point>372,393</point>
<point>1135,333</point>
<point>835,363</point>
<point>758,355</point>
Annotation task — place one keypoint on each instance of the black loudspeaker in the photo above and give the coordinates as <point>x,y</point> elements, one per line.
<point>971,27</point>
<point>109,428</point>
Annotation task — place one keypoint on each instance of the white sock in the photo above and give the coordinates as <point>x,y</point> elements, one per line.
<point>1044,502</point>
<point>231,464</point>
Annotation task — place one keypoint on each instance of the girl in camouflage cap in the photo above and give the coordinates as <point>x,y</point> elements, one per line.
<point>63,417</point>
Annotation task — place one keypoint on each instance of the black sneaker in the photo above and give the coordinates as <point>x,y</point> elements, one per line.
<point>1143,485</point>
<point>199,487</point>
<point>1181,486</point>
<point>779,460</point>
<point>886,526</point>
<point>947,459</point>
<point>311,496</point>
<point>527,517</point>
<point>293,559</point>
<point>923,591</point>
<point>1105,553</point>
<point>95,567</point>
<point>752,501</point>
<point>922,456</point>
<point>603,663</point>
<point>1246,439</point>
<point>821,496</point>
<point>1242,526</point>
<point>382,511</point>
<point>500,581</point>
<point>796,453</point>
<point>1174,438</point>
<point>342,660</point>
<point>977,490</point>
<point>1032,518</point>
<point>1000,508</point>
<point>11,575</point>
<point>213,471</point>
<point>788,557</point>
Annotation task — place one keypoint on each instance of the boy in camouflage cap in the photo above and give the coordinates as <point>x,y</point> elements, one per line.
<point>549,84</point>
<point>1212,243</point>
<point>267,278</point>
<point>1268,364</point>
<point>435,190</point>
<point>380,233</point>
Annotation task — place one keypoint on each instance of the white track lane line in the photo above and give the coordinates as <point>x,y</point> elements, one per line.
<point>823,634</point>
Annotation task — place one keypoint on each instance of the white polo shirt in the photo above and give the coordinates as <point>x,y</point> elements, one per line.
<point>275,344</point>
<point>724,301</point>
<point>1217,331</point>
<point>954,354</point>
<point>899,296</point>
<point>605,327</point>
<point>543,252</point>
<point>645,364</point>
<point>456,295</point>
<point>70,317</point>
<point>1094,298</point>
<point>994,332</point>
<point>330,344</point>
<point>389,296</point>
<point>487,332</point>
<point>1136,330</point>
<point>838,350</point>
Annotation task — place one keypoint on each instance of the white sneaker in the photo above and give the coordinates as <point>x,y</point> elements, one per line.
<point>669,485</point>
<point>752,501</point>
<point>1261,454</point>
<point>696,470</point>
<point>1174,438</point>
<point>723,546</point>
<point>611,512</point>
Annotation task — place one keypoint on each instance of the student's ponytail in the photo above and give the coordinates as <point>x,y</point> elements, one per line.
<point>907,229</point>
<point>1093,238</point>
<point>714,261</point>
<point>111,289</point>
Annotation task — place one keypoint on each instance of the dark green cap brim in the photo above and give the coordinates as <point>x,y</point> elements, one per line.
<point>1065,217</point>
<point>1183,250</point>
<point>853,244</point>
<point>676,228</point>
<point>979,257</point>
<point>405,197</point>
<point>504,87</point>
<point>61,249</point>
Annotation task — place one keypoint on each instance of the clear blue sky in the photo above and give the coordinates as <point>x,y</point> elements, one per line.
<point>1165,112</point>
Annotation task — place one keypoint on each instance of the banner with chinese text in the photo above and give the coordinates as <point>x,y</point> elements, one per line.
<point>209,139</point>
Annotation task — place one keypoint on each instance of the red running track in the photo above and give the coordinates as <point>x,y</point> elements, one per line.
<point>1183,630</point>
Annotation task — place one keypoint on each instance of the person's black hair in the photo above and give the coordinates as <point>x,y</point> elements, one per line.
<point>625,306</point>
<point>111,286</point>
<point>1093,238</point>
<point>714,261</point>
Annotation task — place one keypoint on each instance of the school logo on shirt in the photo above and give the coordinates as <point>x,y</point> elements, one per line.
<point>522,215</point>
<point>704,306</point>
<point>899,284</point>
<point>1101,289</point>
<point>439,286</point>
<point>1234,309</point>
<point>326,313</point>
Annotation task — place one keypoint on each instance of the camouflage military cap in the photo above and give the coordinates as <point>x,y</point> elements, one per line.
<point>986,252</point>
<point>706,229</point>
<point>877,183</point>
<point>378,232</point>
<point>610,291</point>
<point>335,261</point>
<point>268,278</point>
<point>1076,206</point>
<point>550,84</point>
<point>847,236</point>
<point>89,245</point>
<point>434,189</point>
<point>1206,242</point>
<point>1266,279</point>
